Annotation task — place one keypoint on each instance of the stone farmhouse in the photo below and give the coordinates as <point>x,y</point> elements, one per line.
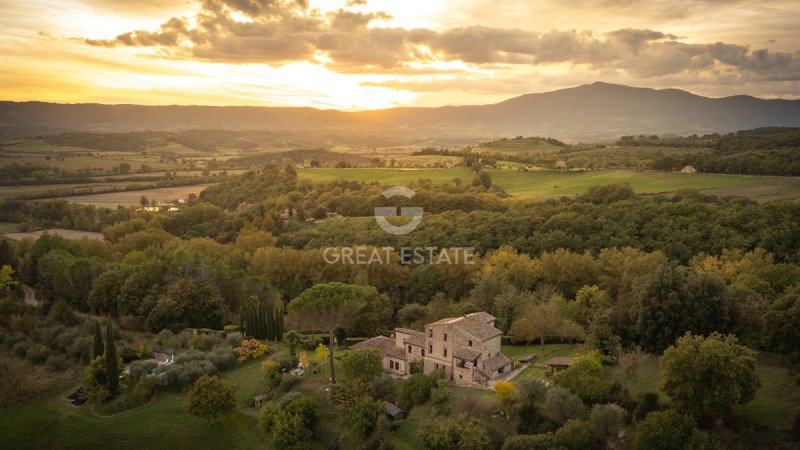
<point>466,349</point>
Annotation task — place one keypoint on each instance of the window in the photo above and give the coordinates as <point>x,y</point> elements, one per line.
<point>430,332</point>
<point>469,343</point>
<point>445,337</point>
<point>409,349</point>
<point>423,352</point>
<point>430,349</point>
<point>445,353</point>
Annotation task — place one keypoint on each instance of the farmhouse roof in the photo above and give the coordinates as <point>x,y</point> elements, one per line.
<point>560,361</point>
<point>384,345</point>
<point>466,353</point>
<point>476,326</point>
<point>416,338</point>
<point>497,361</point>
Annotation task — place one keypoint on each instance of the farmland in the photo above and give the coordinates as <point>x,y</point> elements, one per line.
<point>542,185</point>
<point>132,198</point>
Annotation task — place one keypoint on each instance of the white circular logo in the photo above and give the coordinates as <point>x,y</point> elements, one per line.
<point>415,212</point>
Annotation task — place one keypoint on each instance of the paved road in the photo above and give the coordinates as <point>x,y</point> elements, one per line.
<point>30,295</point>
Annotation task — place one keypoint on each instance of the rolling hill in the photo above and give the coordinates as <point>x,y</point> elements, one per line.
<point>590,112</point>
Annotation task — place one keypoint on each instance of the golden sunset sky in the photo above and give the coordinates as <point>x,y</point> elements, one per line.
<point>366,54</point>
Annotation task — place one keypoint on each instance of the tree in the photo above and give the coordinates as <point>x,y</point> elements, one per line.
<point>417,390</point>
<point>461,433</point>
<point>363,415</point>
<point>209,398</point>
<point>783,322</point>
<point>328,306</point>
<point>7,278</point>
<point>689,365</point>
<point>606,421</point>
<point>585,378</point>
<point>482,179</point>
<point>110,356</point>
<point>99,347</point>
<point>674,303</point>
<point>144,201</point>
<point>263,319</point>
<point>506,393</point>
<point>364,364</point>
<point>665,430</point>
<point>530,394</point>
<point>322,354</point>
<point>291,425</point>
<point>561,405</point>
<point>543,321</point>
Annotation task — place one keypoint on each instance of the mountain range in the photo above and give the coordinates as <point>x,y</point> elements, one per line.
<point>593,112</point>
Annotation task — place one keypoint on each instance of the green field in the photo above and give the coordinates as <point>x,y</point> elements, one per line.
<point>540,184</point>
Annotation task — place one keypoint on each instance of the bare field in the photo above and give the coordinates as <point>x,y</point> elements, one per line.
<point>131,198</point>
<point>66,234</point>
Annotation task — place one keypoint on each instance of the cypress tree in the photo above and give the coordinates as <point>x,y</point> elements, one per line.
<point>112,370</point>
<point>99,348</point>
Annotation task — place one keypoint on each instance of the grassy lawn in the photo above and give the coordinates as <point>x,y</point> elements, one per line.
<point>162,423</point>
<point>776,402</point>
<point>8,227</point>
<point>542,355</point>
<point>644,379</point>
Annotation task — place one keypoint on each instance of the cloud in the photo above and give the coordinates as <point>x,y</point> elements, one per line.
<point>277,32</point>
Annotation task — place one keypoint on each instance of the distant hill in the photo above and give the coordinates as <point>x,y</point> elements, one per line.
<point>590,112</point>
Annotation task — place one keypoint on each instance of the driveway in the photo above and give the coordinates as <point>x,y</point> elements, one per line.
<point>30,295</point>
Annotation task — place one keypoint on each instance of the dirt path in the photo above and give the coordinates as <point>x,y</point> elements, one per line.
<point>30,295</point>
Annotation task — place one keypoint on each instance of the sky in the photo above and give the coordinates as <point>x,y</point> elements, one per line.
<point>370,54</point>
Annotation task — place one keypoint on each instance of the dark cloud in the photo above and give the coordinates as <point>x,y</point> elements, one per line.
<point>281,31</point>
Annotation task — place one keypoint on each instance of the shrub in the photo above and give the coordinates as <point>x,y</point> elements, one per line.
<point>37,353</point>
<point>234,339</point>
<point>127,354</point>
<point>223,358</point>
<point>646,403</point>
<point>184,338</point>
<point>21,348</point>
<point>63,313</point>
<point>132,323</point>
<point>417,390</point>
<point>209,398</point>
<point>383,387</point>
<point>180,375</point>
<point>56,363</point>
<point>81,348</point>
<point>165,337</point>
<point>530,442</point>
<point>250,349</point>
<point>560,405</point>
<point>204,342</point>
<point>137,370</point>
<point>145,389</point>
<point>286,362</point>
<point>288,382</point>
